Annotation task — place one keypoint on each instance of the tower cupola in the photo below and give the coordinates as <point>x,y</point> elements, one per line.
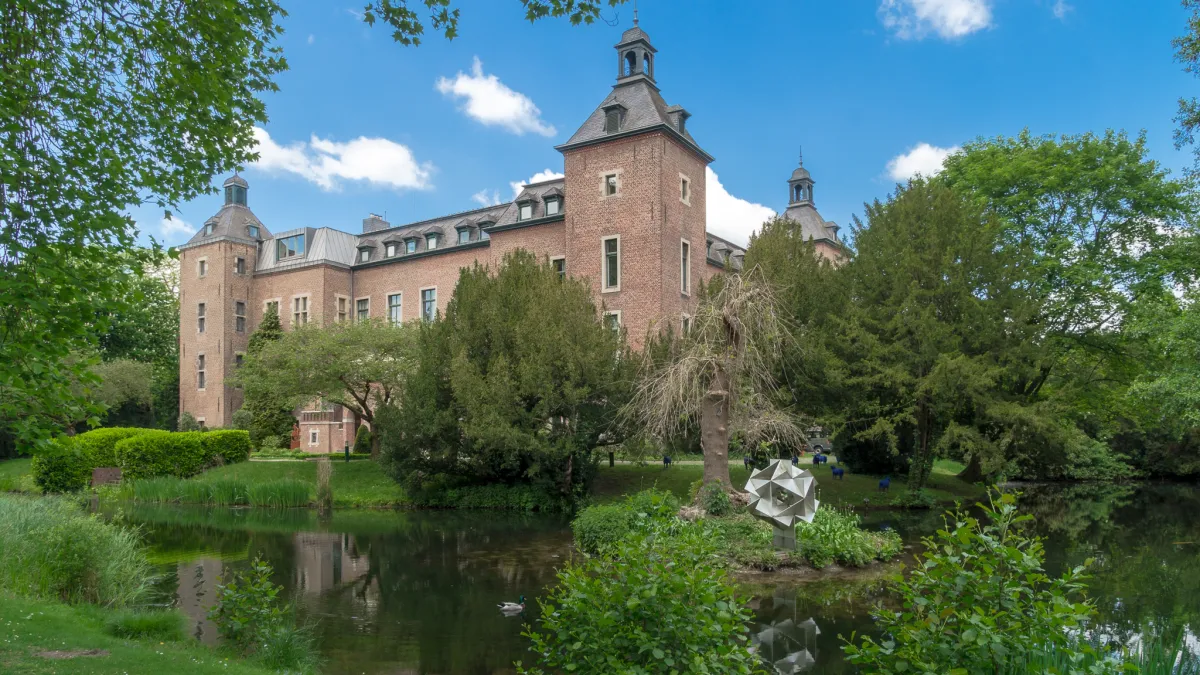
<point>635,55</point>
<point>235,190</point>
<point>800,185</point>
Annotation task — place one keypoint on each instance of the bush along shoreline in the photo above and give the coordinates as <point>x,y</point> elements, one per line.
<point>835,537</point>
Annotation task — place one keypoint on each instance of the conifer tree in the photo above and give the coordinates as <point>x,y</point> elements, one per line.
<point>271,413</point>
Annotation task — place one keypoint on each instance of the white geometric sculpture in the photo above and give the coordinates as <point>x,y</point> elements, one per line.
<point>781,494</point>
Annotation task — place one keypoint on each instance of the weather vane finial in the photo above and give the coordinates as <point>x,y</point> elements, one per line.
<point>802,155</point>
<point>635,17</point>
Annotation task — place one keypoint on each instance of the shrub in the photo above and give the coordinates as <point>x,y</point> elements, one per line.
<point>162,453</point>
<point>598,528</point>
<point>161,625</point>
<point>242,419</point>
<point>978,602</point>
<point>62,466</point>
<point>836,536</point>
<point>650,605</point>
<point>231,445</point>
<point>272,443</point>
<point>251,618</point>
<point>52,549</point>
<point>715,500</point>
<point>498,497</point>
<point>100,444</point>
<point>362,440</point>
<point>188,423</point>
<point>915,499</point>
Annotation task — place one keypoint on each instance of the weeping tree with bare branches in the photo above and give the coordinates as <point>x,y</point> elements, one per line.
<point>722,373</point>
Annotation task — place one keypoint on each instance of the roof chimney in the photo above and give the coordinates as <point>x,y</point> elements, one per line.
<point>374,223</point>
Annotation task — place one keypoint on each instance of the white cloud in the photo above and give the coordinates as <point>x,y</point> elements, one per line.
<point>175,226</point>
<point>486,198</point>
<point>730,217</point>
<point>923,159</point>
<point>1061,9</point>
<point>311,38</point>
<point>544,175</point>
<point>950,19</point>
<point>490,102</point>
<point>327,163</point>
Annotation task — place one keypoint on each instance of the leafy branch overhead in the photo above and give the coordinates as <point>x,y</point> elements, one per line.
<point>405,18</point>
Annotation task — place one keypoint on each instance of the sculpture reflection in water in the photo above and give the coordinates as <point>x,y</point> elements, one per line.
<point>782,494</point>
<point>784,643</point>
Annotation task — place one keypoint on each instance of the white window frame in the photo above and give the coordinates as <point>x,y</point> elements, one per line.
<point>685,324</point>
<point>685,267</point>
<point>358,300</point>
<point>389,250</point>
<point>521,211</point>
<point>337,297</point>
<point>201,267</point>
<point>421,300</point>
<point>685,189</point>
<point>307,297</point>
<point>201,317</point>
<point>604,183</point>
<point>461,232</point>
<point>563,258</point>
<point>314,437</point>
<point>557,201</point>
<point>604,287</point>
<point>364,255</point>
<point>435,238</point>
<point>387,299</point>
<point>616,313</point>
<point>201,368</point>
<point>278,303</point>
<point>241,316</point>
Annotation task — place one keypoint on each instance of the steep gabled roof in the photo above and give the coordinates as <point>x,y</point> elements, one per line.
<point>645,111</point>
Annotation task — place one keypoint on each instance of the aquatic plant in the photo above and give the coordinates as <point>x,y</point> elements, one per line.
<point>282,493</point>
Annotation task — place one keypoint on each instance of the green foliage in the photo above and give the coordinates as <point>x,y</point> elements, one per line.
<point>100,444</point>
<point>438,495</point>
<point>231,445</point>
<point>276,493</point>
<point>363,440</point>
<point>715,500</point>
<point>915,499</point>
<point>836,536</point>
<point>1187,52</point>
<point>53,550</point>
<point>62,466</point>
<point>242,419</point>
<point>158,625</point>
<point>270,410</point>
<point>163,453</point>
<point>651,604</point>
<point>599,528</point>
<point>95,110</point>
<point>978,602</point>
<point>514,385</point>
<point>188,423</point>
<point>283,493</point>
<point>408,27</point>
<point>251,617</point>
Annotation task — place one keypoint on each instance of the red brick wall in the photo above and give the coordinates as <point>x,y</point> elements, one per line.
<point>408,277</point>
<point>542,240</point>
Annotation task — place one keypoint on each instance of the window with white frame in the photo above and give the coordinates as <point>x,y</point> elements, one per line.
<point>200,371</point>
<point>429,304</point>
<point>612,320</point>
<point>364,254</point>
<point>525,211</point>
<point>200,317</point>
<point>202,267</point>
<point>431,241</point>
<point>343,309</point>
<point>239,316</point>
<point>271,307</point>
<point>391,250</point>
<point>685,267</point>
<point>314,437</point>
<point>560,267</point>
<point>685,191</point>
<point>610,185</point>
<point>363,309</point>
<point>239,265</point>
<point>464,236</point>
<point>612,263</point>
<point>208,229</point>
<point>300,310</point>
<point>395,307</point>
<point>553,206</point>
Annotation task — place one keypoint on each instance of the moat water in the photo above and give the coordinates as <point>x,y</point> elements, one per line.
<point>416,592</point>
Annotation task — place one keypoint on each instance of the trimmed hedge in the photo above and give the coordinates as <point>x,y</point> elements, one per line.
<point>163,453</point>
<point>100,444</point>
<point>62,467</point>
<point>231,445</point>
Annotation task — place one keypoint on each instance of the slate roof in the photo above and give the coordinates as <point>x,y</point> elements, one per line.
<point>645,110</point>
<point>812,225</point>
<point>231,223</point>
<point>633,35</point>
<point>323,246</point>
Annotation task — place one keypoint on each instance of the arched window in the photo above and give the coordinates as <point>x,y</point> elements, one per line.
<point>630,63</point>
<point>647,64</point>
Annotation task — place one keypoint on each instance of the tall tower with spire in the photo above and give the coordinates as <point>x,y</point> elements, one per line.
<point>635,177</point>
<point>802,210</point>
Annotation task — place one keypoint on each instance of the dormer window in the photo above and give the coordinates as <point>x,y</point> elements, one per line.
<point>391,250</point>
<point>364,254</point>
<point>208,229</point>
<point>464,236</point>
<point>553,206</point>
<point>431,241</point>
<point>289,247</point>
<point>614,118</point>
<point>410,245</point>
<point>252,230</point>
<point>525,211</point>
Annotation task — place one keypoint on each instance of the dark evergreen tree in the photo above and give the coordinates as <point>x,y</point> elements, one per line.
<point>271,412</point>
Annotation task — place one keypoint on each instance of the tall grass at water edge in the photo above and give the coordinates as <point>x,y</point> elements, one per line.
<point>1154,657</point>
<point>54,550</point>
<point>281,493</point>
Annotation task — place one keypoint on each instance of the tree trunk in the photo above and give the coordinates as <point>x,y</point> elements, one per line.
<point>714,431</point>
<point>974,471</point>
<point>919,471</point>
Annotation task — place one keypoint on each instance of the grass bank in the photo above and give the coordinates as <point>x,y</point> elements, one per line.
<point>16,475</point>
<point>43,637</point>
<point>855,490</point>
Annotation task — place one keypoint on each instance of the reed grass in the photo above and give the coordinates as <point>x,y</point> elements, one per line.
<point>282,493</point>
<point>1154,657</point>
<point>53,550</point>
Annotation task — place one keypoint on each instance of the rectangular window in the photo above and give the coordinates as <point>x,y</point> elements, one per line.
<point>391,250</point>
<point>526,211</point>
<point>410,246</point>
<point>464,236</point>
<point>289,247</point>
<point>394,309</point>
<point>272,307</point>
<point>299,311</point>
<point>612,320</point>
<point>612,122</point>
<point>363,309</point>
<point>560,266</point>
<point>239,265</point>
<point>612,264</point>
<point>431,241</point>
<point>208,229</point>
<point>429,304</point>
<point>685,267</point>
<point>200,371</point>
<point>610,184</point>
<point>484,235</point>
<point>684,193</point>
<point>253,230</point>
<point>200,318</point>
<point>343,309</point>
<point>687,324</point>
<point>313,437</point>
<point>239,316</point>
<point>364,254</point>
<point>238,359</point>
<point>552,207</point>
<point>201,267</point>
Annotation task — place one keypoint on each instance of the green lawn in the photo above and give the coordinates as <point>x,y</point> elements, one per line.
<point>355,484</point>
<point>16,475</point>
<point>30,628</point>
<point>852,490</point>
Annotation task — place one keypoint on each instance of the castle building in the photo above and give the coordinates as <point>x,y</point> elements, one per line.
<point>628,216</point>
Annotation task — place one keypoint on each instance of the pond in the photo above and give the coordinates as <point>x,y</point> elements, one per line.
<point>416,592</point>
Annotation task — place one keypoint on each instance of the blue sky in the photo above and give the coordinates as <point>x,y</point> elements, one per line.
<point>872,89</point>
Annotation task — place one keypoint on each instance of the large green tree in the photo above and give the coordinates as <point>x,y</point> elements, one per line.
<point>361,365</point>
<point>105,106</point>
<point>269,407</point>
<point>517,383</point>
